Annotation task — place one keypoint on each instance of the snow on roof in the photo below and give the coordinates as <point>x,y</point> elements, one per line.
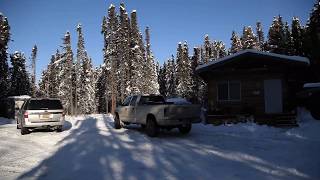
<point>252,51</point>
<point>311,85</point>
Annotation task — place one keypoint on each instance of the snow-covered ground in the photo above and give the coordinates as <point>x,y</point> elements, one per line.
<point>89,148</point>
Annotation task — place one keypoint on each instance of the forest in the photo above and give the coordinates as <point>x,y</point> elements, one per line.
<point>129,66</point>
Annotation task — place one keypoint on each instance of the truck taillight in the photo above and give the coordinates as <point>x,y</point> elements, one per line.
<point>25,115</point>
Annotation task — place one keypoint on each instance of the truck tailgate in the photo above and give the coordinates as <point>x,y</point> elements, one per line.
<point>184,112</point>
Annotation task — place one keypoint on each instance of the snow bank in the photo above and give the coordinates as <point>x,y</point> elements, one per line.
<point>6,121</point>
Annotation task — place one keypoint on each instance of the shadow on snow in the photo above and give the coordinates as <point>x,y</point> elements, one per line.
<point>105,153</point>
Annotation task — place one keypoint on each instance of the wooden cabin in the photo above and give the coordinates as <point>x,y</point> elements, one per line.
<point>255,83</point>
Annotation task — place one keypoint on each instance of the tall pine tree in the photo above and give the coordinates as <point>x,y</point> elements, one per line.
<point>236,44</point>
<point>276,36</point>
<point>20,82</point>
<point>4,68</point>
<point>66,88</point>
<point>85,99</point>
<point>249,39</point>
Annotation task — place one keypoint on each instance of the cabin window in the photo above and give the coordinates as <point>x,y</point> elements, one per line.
<point>229,91</point>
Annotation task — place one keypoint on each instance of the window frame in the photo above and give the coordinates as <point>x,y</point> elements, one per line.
<point>228,82</point>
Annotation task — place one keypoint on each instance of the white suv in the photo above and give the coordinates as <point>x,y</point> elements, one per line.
<point>40,113</point>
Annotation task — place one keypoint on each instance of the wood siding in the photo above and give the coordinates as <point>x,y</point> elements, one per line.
<point>252,92</point>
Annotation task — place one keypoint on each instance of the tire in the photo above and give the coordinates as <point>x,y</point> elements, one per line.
<point>143,126</point>
<point>315,114</point>
<point>24,130</point>
<point>152,127</point>
<point>126,123</point>
<point>117,122</point>
<point>185,129</point>
<point>59,129</point>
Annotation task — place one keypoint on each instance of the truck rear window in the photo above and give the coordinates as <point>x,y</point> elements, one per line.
<point>152,100</point>
<point>44,104</point>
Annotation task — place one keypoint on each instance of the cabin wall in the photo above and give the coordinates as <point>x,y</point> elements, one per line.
<point>252,93</point>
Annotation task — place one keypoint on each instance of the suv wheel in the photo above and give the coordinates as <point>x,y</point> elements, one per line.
<point>117,122</point>
<point>152,127</point>
<point>24,130</point>
<point>185,129</point>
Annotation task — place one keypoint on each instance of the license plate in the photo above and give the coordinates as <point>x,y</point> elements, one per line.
<point>45,116</point>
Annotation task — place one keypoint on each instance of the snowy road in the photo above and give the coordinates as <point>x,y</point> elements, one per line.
<point>89,148</point>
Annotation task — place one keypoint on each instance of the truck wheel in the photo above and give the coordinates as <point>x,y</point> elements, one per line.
<point>185,129</point>
<point>24,130</point>
<point>152,127</point>
<point>117,122</point>
<point>59,129</point>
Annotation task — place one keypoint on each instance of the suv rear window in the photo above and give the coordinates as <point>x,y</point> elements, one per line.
<point>44,104</point>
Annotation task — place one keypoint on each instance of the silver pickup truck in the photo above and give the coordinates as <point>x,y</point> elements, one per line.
<point>153,112</point>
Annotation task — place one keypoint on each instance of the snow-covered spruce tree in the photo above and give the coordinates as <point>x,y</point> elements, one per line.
<point>110,31</point>
<point>55,78</point>
<point>171,84</point>
<point>312,40</point>
<point>248,39</point>
<point>138,56</point>
<point>288,41</point>
<point>260,37</point>
<point>46,83</point>
<point>162,80</point>
<point>4,68</point>
<point>184,82</point>
<point>85,99</point>
<point>276,40</point>
<point>52,78</point>
<point>124,53</point>
<point>101,72</point>
<point>33,70</point>
<point>197,82</point>
<point>20,83</point>
<point>87,104</point>
<point>66,85</point>
<point>207,50</point>
<point>235,43</point>
<point>43,84</point>
<point>297,37</point>
<point>219,49</point>
<point>151,85</point>
<point>102,89</point>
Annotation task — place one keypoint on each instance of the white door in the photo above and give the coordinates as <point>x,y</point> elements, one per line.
<point>273,96</point>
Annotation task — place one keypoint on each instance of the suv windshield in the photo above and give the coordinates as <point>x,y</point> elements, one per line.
<point>44,104</point>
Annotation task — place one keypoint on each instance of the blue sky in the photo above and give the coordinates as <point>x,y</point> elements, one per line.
<point>44,22</point>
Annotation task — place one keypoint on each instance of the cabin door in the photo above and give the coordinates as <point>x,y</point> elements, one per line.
<point>273,96</point>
